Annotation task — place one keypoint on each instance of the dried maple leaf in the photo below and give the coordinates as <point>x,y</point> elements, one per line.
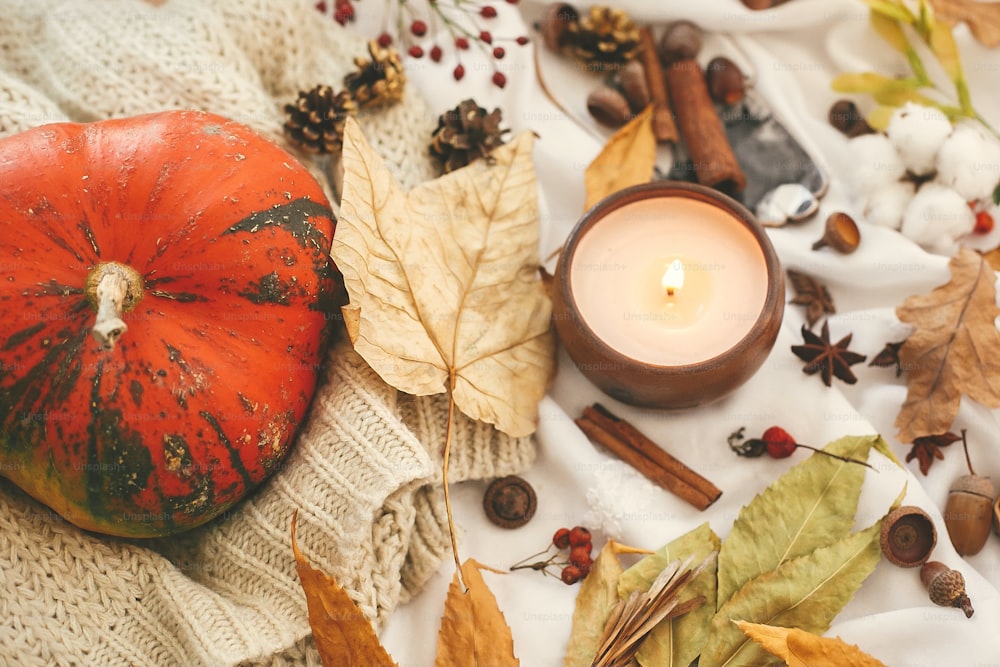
<point>954,350</point>
<point>799,648</point>
<point>983,18</point>
<point>889,356</point>
<point>628,158</point>
<point>927,448</point>
<point>828,359</point>
<point>473,629</point>
<point>343,634</point>
<point>812,294</point>
<point>443,282</point>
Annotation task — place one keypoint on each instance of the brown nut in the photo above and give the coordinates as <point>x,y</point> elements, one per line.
<point>968,513</point>
<point>845,117</point>
<point>946,587</point>
<point>509,502</point>
<point>558,15</point>
<point>635,88</point>
<point>908,536</point>
<point>608,107</point>
<point>725,81</point>
<point>680,41</point>
<point>841,234</point>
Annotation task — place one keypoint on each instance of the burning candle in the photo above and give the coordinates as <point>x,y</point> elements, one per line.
<point>668,295</point>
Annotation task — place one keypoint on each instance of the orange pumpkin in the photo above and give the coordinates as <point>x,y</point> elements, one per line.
<point>164,288</point>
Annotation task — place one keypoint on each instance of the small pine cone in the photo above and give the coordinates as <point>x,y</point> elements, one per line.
<point>315,121</point>
<point>378,79</point>
<point>604,38</point>
<point>464,134</point>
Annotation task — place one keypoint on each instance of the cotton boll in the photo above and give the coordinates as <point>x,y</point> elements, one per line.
<point>917,132</point>
<point>874,163</point>
<point>886,205</point>
<point>969,162</point>
<point>936,218</point>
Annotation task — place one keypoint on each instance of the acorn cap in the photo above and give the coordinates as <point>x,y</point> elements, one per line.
<point>908,536</point>
<point>974,484</point>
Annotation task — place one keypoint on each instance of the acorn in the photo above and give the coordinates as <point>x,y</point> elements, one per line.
<point>968,513</point>
<point>841,234</point>
<point>946,587</point>
<point>908,536</point>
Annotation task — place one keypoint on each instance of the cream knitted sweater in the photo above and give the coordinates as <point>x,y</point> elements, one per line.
<point>364,473</point>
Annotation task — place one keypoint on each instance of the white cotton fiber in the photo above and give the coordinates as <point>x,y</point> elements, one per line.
<point>936,218</point>
<point>917,132</point>
<point>874,163</point>
<point>969,162</point>
<point>886,205</point>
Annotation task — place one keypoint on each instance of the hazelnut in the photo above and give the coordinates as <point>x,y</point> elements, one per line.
<point>908,536</point>
<point>558,15</point>
<point>680,41</point>
<point>632,80</point>
<point>509,502</point>
<point>725,81</point>
<point>841,234</point>
<point>608,106</point>
<point>946,587</point>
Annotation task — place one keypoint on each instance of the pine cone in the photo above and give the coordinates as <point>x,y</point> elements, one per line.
<point>379,79</point>
<point>604,38</point>
<point>464,134</point>
<point>315,121</point>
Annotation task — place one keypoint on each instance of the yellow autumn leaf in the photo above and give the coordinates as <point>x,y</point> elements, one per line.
<point>799,648</point>
<point>474,632</point>
<point>343,634</point>
<point>443,281</point>
<point>628,158</point>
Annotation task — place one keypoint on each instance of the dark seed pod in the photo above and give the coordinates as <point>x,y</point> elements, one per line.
<point>509,502</point>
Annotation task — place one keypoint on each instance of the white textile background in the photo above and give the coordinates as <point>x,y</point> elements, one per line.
<point>793,52</point>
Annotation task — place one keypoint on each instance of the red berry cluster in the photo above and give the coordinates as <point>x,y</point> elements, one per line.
<point>461,22</point>
<point>579,545</point>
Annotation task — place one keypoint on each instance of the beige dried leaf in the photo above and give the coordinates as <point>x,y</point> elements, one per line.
<point>474,632</point>
<point>954,351</point>
<point>799,648</point>
<point>443,281</point>
<point>983,18</point>
<point>628,158</point>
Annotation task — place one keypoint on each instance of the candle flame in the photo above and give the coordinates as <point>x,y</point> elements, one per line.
<point>673,277</point>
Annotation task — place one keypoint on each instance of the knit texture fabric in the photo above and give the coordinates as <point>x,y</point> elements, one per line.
<point>364,474</point>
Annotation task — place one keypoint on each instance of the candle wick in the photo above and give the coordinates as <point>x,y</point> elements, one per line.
<point>670,291</point>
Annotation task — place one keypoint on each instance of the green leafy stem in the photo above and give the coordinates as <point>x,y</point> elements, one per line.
<point>897,25</point>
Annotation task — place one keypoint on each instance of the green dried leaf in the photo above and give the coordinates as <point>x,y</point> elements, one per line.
<point>942,43</point>
<point>878,118</point>
<point>861,82</point>
<point>597,596</point>
<point>676,643</point>
<point>891,30</point>
<point>805,592</point>
<point>893,9</point>
<point>812,504</point>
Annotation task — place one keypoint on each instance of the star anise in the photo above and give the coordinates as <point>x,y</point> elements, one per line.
<point>828,359</point>
<point>928,448</point>
<point>812,294</point>
<point>889,356</point>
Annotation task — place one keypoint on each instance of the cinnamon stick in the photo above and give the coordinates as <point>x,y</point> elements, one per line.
<point>664,127</point>
<point>701,128</point>
<point>631,446</point>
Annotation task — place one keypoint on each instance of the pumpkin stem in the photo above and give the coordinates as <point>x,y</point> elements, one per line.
<point>113,289</point>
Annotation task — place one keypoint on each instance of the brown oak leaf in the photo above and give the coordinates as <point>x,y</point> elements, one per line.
<point>812,294</point>
<point>983,18</point>
<point>828,359</point>
<point>927,448</point>
<point>954,350</point>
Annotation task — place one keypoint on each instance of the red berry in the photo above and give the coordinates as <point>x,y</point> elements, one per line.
<point>458,72</point>
<point>415,51</point>
<point>579,536</point>
<point>487,11</point>
<point>499,80</point>
<point>498,52</point>
<point>579,555</point>
<point>418,28</point>
<point>486,37</point>
<point>984,222</point>
<point>461,43</point>
<point>571,574</point>
<point>585,567</point>
<point>436,53</point>
<point>343,14</point>
<point>522,40</point>
<point>384,40</point>
<point>561,538</point>
<point>321,7</point>
<point>779,443</point>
